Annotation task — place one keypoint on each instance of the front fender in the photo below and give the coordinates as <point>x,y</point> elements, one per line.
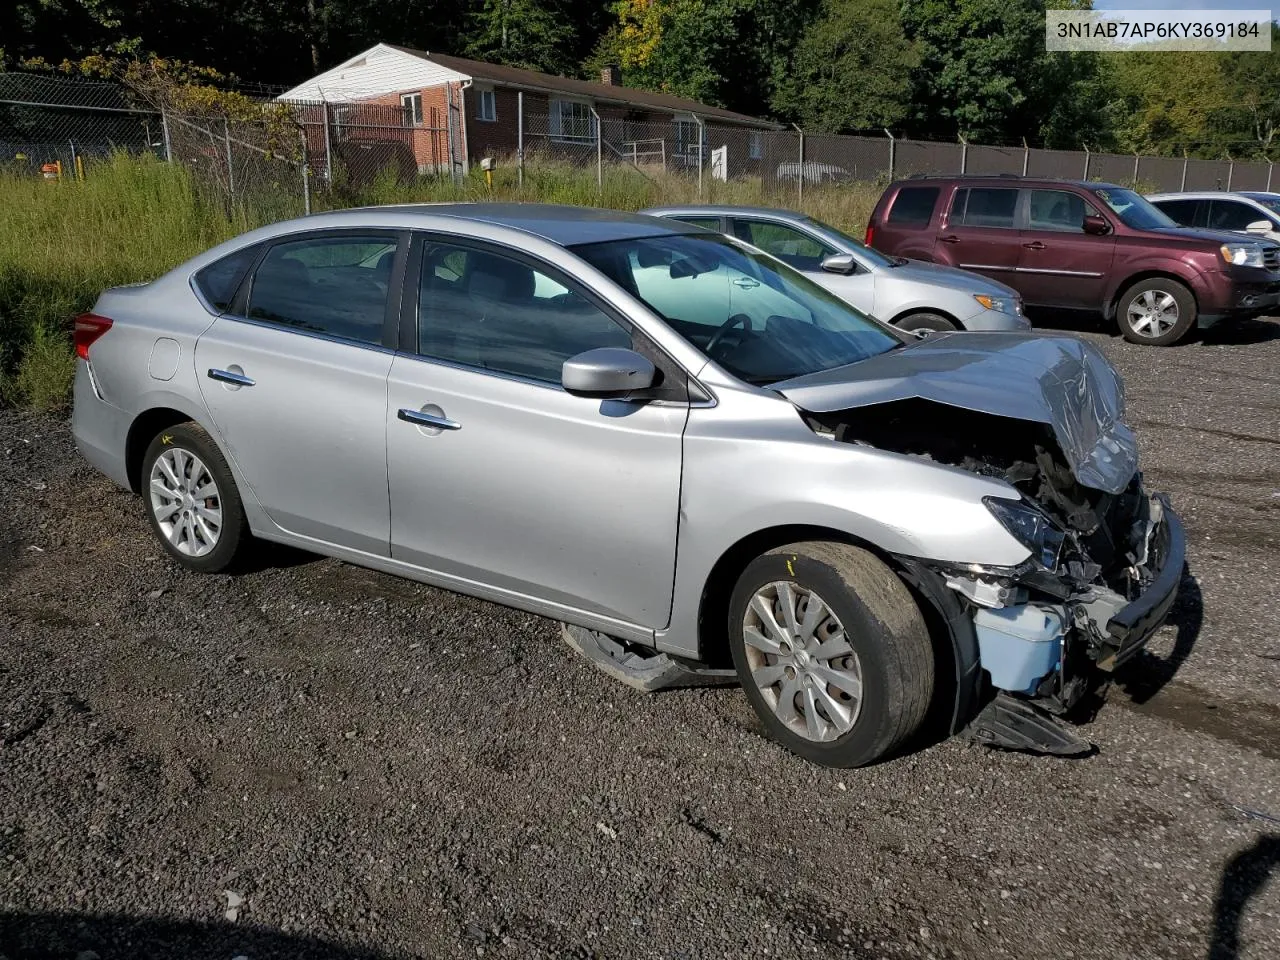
<point>1122,275</point>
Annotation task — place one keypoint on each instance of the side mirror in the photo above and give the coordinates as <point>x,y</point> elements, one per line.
<point>607,373</point>
<point>1259,226</point>
<point>1096,225</point>
<point>842,263</point>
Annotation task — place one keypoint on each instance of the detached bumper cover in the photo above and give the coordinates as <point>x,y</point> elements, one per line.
<point>1131,628</point>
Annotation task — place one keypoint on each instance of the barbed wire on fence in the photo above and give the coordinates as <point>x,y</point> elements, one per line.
<point>254,149</point>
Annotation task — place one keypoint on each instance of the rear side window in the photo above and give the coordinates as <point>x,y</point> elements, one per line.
<point>710,223</point>
<point>914,205</point>
<point>1183,212</point>
<point>332,285</point>
<point>985,207</point>
<point>219,281</point>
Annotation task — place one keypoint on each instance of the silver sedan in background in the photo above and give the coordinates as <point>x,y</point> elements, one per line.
<point>701,462</point>
<point>910,294</point>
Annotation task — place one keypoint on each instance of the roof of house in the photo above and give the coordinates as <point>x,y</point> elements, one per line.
<point>346,80</point>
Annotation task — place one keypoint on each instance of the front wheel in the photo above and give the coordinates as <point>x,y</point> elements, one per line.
<point>1157,312</point>
<point>832,652</point>
<point>926,324</point>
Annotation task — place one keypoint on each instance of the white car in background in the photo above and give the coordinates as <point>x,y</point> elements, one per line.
<point>1254,212</point>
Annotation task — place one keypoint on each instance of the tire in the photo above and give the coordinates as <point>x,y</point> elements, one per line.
<point>184,459</point>
<point>1156,304</point>
<point>924,324</point>
<point>892,656</point>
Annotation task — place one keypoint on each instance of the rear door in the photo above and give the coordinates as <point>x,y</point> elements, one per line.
<point>1186,212</point>
<point>295,381</point>
<point>1235,215</point>
<point>979,232</point>
<point>1059,264</point>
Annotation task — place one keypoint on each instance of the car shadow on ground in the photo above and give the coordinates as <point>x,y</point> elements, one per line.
<point>1147,673</point>
<point>66,936</point>
<point>1242,879</point>
<point>1241,333</point>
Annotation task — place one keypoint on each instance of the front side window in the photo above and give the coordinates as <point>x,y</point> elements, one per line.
<point>572,120</point>
<point>1133,209</point>
<point>788,244</point>
<point>332,285</point>
<point>913,205</point>
<point>1057,210</point>
<point>411,104</point>
<point>985,207</point>
<point>493,312</point>
<point>219,281</point>
<point>1269,200</point>
<point>488,105</point>
<point>1233,215</point>
<point>758,318</point>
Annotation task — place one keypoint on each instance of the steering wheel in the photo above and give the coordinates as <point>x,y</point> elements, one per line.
<point>737,320</point>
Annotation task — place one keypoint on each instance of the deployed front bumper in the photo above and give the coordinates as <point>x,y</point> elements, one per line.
<point>1133,625</point>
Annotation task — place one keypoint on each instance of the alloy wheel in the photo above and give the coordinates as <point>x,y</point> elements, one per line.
<point>801,661</point>
<point>1153,313</point>
<point>186,502</point>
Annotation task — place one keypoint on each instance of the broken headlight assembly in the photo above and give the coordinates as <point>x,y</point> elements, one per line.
<point>1031,527</point>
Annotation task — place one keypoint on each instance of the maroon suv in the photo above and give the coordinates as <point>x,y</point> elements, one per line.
<point>1083,246</point>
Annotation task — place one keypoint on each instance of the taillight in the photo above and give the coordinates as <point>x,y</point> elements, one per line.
<point>89,327</point>
<point>871,234</point>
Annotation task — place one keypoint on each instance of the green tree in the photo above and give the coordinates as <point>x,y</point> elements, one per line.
<point>533,34</point>
<point>851,69</point>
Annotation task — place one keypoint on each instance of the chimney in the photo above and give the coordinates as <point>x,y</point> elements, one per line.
<point>611,75</point>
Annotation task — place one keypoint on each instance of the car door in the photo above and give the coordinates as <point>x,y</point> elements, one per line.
<point>295,381</point>
<point>511,482</point>
<point>803,251</point>
<point>1235,215</point>
<point>1059,264</point>
<point>979,232</point>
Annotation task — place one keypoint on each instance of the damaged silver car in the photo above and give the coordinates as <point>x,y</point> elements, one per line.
<point>706,466</point>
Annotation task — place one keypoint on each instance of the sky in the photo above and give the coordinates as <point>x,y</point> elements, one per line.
<point>1213,5</point>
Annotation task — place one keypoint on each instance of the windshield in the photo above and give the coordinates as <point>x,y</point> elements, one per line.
<point>1269,200</point>
<point>1133,209</point>
<point>753,315</point>
<point>875,256</point>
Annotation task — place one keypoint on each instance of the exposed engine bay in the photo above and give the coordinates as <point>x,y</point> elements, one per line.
<point>1099,551</point>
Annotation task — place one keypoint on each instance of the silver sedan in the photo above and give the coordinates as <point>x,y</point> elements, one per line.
<point>702,463</point>
<point>910,294</point>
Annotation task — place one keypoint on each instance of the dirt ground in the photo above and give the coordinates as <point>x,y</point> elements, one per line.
<point>314,760</point>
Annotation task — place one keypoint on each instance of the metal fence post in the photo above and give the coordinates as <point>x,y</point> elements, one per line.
<point>1137,158</point>
<point>702,135</point>
<point>306,175</point>
<point>231,169</point>
<point>600,152</point>
<point>892,143</point>
<point>168,144</point>
<point>328,146</point>
<point>964,153</point>
<point>1231,169</point>
<point>520,138</point>
<point>1026,156</point>
<point>800,178</point>
<point>1086,160</point>
<point>1183,184</point>
<point>1270,164</point>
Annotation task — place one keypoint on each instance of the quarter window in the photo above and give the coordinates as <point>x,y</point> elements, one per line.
<point>333,285</point>
<point>788,244</point>
<point>411,103</point>
<point>494,312</point>
<point>913,205</point>
<point>985,207</point>
<point>219,281</point>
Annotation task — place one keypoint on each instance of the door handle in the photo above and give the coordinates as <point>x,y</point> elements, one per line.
<point>1034,245</point>
<point>427,419</point>
<point>227,376</point>
<point>949,238</point>
<point>746,283</point>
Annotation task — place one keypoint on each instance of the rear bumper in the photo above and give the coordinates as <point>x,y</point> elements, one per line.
<point>101,429</point>
<point>1133,625</point>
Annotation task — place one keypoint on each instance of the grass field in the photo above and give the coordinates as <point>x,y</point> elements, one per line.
<point>133,218</point>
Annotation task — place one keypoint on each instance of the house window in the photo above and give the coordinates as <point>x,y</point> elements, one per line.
<point>411,103</point>
<point>572,120</point>
<point>687,140</point>
<point>488,106</point>
<point>755,145</point>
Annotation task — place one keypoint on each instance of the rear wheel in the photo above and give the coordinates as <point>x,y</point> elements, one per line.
<point>926,324</point>
<point>192,500</point>
<point>832,652</point>
<point>1157,312</point>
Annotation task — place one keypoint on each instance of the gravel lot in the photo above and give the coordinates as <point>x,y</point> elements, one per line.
<point>315,760</point>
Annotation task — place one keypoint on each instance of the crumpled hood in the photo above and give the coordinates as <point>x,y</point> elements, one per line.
<point>1051,379</point>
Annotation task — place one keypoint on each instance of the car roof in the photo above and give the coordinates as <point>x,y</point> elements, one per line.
<point>561,224</point>
<point>1210,195</point>
<point>1010,180</point>
<point>724,209</point>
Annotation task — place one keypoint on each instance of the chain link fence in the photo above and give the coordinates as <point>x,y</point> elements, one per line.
<point>284,155</point>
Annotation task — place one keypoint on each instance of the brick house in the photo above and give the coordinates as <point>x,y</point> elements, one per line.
<point>435,111</point>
